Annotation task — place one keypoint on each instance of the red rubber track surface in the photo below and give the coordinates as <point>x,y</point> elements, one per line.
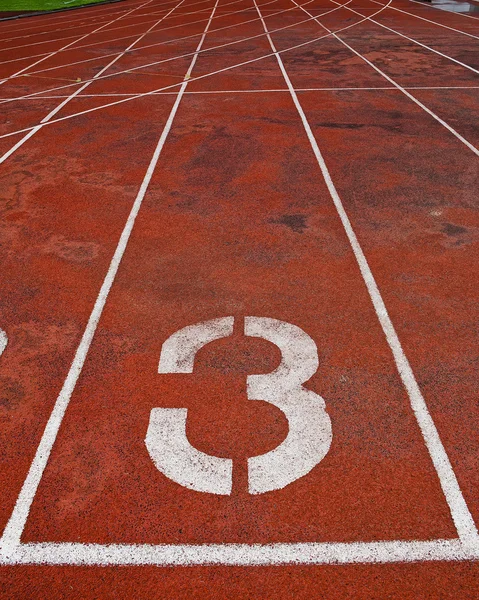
<point>238,219</point>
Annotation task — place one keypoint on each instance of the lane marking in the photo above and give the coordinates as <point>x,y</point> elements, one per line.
<point>3,341</point>
<point>113,29</point>
<point>179,351</point>
<point>11,536</point>
<point>461,516</point>
<point>309,436</point>
<point>177,459</point>
<point>54,18</point>
<point>429,21</point>
<point>2,81</point>
<point>180,56</point>
<point>466,66</point>
<point>262,90</point>
<point>155,45</point>
<point>164,88</point>
<point>77,26</point>
<point>240,554</point>
<point>309,426</point>
<point>59,107</point>
<point>398,86</point>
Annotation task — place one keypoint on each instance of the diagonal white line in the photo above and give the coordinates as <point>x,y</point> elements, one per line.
<point>460,513</point>
<point>466,66</point>
<point>399,87</point>
<point>13,531</point>
<point>2,81</point>
<point>59,107</point>
<point>430,21</point>
<point>172,86</point>
<point>178,57</point>
<point>78,25</point>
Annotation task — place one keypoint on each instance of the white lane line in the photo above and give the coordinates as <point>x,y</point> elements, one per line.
<point>3,341</point>
<point>117,39</point>
<point>177,57</point>
<point>2,81</point>
<point>80,18</point>
<point>11,536</point>
<point>155,45</point>
<point>415,41</point>
<point>430,21</point>
<point>445,10</point>
<point>461,516</point>
<point>108,31</point>
<point>59,107</point>
<point>77,26</point>
<point>144,66</point>
<point>262,91</point>
<point>400,551</point>
<point>399,87</point>
<point>175,85</point>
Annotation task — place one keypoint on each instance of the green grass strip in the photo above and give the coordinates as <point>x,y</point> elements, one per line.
<point>38,5</point>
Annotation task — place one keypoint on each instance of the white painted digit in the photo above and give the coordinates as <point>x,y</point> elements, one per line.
<point>3,341</point>
<point>309,436</point>
<point>166,439</point>
<point>176,458</point>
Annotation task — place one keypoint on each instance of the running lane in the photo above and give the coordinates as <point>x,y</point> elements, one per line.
<point>66,194</point>
<point>238,221</point>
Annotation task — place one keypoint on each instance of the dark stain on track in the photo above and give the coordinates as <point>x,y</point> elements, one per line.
<point>296,223</point>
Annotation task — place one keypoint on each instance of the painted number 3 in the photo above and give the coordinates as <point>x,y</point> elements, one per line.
<point>309,436</point>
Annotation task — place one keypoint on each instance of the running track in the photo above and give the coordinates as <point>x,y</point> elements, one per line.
<point>171,163</point>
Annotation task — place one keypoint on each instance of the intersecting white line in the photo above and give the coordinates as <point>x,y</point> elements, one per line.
<point>460,513</point>
<point>174,85</point>
<point>117,39</point>
<point>108,31</point>
<point>466,66</point>
<point>183,37</point>
<point>61,17</point>
<point>77,26</point>
<point>10,539</point>
<point>180,56</point>
<point>59,107</point>
<point>397,85</point>
<point>266,90</point>
<point>2,81</point>
<point>429,21</point>
<point>225,554</point>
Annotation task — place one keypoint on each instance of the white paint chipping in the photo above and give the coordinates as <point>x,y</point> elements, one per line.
<point>460,513</point>
<point>14,528</point>
<point>181,462</point>
<point>309,436</point>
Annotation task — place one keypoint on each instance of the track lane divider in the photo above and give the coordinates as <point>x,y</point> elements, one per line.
<point>460,513</point>
<point>10,540</point>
